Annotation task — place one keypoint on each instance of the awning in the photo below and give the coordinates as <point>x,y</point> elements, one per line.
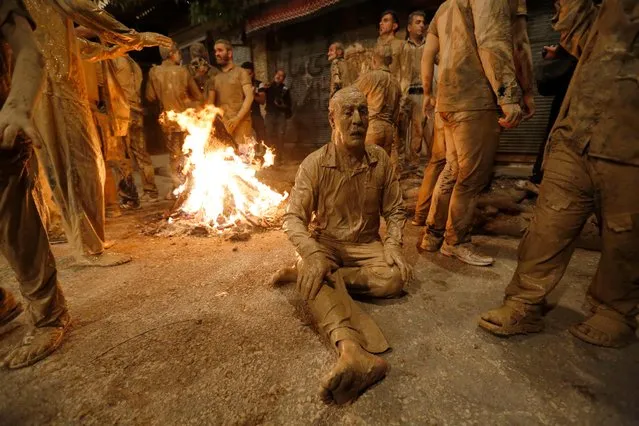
<point>280,12</point>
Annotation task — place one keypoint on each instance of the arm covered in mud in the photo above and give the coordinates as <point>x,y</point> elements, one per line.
<point>96,52</point>
<point>392,206</point>
<point>431,50</point>
<point>28,75</point>
<point>524,63</point>
<point>493,34</point>
<point>88,14</point>
<point>573,21</point>
<point>302,203</point>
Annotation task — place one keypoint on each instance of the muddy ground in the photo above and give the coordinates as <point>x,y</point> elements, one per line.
<point>188,333</point>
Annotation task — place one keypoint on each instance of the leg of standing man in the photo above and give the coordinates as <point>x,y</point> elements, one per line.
<point>137,148</point>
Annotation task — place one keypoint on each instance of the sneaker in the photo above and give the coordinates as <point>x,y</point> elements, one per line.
<point>431,243</point>
<point>467,254</point>
<point>9,308</point>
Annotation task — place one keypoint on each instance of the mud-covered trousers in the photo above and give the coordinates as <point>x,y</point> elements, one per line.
<point>23,239</point>
<point>472,138</point>
<point>364,273</point>
<point>136,148</point>
<point>436,154</point>
<point>574,187</point>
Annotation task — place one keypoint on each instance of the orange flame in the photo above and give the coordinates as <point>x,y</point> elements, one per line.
<point>222,186</point>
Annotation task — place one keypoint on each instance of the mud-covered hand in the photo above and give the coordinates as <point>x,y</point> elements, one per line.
<point>14,121</point>
<point>313,271</point>
<point>529,106</point>
<point>155,39</point>
<point>394,256</point>
<point>232,124</point>
<point>512,116</point>
<point>429,103</point>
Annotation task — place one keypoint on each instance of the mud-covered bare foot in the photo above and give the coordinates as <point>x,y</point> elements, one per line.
<point>38,344</point>
<point>283,276</point>
<point>355,371</point>
<point>103,260</point>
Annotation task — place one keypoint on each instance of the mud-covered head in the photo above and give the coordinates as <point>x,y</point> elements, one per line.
<point>388,23</point>
<point>348,115</point>
<point>416,25</point>
<point>198,50</point>
<point>335,51</point>
<point>171,54</point>
<point>382,57</point>
<point>223,52</point>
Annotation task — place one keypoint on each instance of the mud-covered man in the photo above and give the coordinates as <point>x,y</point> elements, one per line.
<point>388,27</point>
<point>592,165</point>
<point>340,74</point>
<point>383,94</point>
<point>200,67</point>
<point>23,239</point>
<point>333,220</point>
<point>171,84</point>
<point>232,91</point>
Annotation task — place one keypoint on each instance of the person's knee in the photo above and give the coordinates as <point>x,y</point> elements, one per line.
<point>386,282</point>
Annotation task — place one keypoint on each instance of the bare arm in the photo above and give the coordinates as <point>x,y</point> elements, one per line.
<point>150,94</point>
<point>431,50</point>
<point>524,63</point>
<point>248,101</point>
<point>26,84</point>
<point>260,97</point>
<point>87,14</point>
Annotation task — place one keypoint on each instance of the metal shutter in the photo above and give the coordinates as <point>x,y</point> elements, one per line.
<point>527,138</point>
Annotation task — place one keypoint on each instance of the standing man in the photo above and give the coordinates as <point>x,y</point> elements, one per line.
<point>383,95</point>
<point>200,67</point>
<point>592,165</point>
<point>388,27</point>
<point>279,108</point>
<point>172,85</point>
<point>23,239</point>
<point>259,98</point>
<point>413,90</point>
<point>469,98</point>
<point>232,91</point>
<point>63,118</point>
<point>340,74</point>
<point>333,219</point>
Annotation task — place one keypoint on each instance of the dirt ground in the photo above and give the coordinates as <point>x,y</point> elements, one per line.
<point>188,333</point>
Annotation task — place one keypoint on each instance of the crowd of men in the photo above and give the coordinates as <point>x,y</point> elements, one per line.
<point>73,93</point>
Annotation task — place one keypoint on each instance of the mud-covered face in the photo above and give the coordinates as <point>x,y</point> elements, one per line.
<point>350,122</point>
<point>332,52</point>
<point>387,25</point>
<point>417,27</point>
<point>280,76</point>
<point>223,54</point>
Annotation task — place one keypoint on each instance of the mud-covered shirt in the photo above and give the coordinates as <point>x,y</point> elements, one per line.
<point>601,109</point>
<point>396,45</point>
<point>229,93</point>
<point>411,61</point>
<point>476,65</point>
<point>9,8</point>
<point>344,205</point>
<point>383,95</point>
<point>173,86</point>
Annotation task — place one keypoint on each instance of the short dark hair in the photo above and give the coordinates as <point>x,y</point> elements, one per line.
<point>393,14</point>
<point>248,66</point>
<point>415,14</point>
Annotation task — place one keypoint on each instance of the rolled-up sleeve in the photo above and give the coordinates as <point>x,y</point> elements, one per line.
<point>573,21</point>
<point>302,203</point>
<point>493,34</point>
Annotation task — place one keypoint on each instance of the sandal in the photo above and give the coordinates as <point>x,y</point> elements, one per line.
<point>513,318</point>
<point>606,328</point>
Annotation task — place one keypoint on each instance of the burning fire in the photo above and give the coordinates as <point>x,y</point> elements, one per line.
<point>221,188</point>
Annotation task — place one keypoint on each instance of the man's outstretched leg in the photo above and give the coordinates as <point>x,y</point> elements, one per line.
<point>26,248</point>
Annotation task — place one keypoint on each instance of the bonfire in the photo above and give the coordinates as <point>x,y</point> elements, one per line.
<point>221,191</point>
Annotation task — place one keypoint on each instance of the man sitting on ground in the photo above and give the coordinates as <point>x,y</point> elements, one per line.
<point>341,191</point>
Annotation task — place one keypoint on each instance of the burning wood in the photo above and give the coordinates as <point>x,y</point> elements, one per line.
<point>221,191</point>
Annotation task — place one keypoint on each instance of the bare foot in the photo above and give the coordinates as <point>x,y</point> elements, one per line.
<point>355,371</point>
<point>283,276</point>
<point>104,260</point>
<point>38,344</point>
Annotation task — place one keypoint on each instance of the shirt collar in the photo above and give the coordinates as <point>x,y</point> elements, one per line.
<point>330,158</point>
<point>411,42</point>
